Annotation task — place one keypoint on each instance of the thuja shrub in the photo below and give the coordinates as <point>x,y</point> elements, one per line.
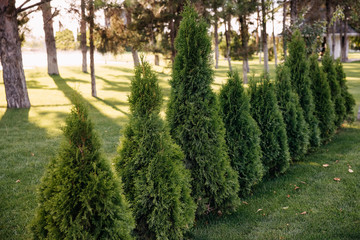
<point>348,98</point>
<point>324,107</point>
<point>194,117</point>
<point>297,129</point>
<point>242,134</point>
<point>328,67</point>
<point>266,112</point>
<point>79,196</point>
<point>299,71</point>
<point>151,165</point>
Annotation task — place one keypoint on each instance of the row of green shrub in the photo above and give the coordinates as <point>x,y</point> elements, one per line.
<point>210,152</point>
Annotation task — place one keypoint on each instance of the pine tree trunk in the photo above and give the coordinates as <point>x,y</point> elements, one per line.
<point>293,12</point>
<point>284,29</point>
<point>83,36</point>
<point>264,37</point>
<point>328,27</point>
<point>134,52</point>
<point>216,41</point>
<point>273,33</point>
<point>11,58</point>
<point>228,41</point>
<point>333,40</point>
<point>260,40</point>
<point>344,41</point>
<point>92,48</point>
<point>49,39</point>
<point>244,44</point>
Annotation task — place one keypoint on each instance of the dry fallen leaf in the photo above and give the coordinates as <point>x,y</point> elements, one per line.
<point>288,196</point>
<point>32,154</point>
<point>303,182</point>
<point>303,213</point>
<point>17,181</point>
<point>350,170</point>
<point>326,165</point>
<point>259,210</point>
<point>296,187</point>
<point>245,203</point>
<point>336,161</point>
<point>285,208</point>
<point>219,213</point>
<point>337,179</point>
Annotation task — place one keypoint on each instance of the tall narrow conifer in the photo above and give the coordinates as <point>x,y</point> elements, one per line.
<point>79,197</point>
<point>299,71</point>
<point>328,67</point>
<point>151,165</point>
<point>324,107</point>
<point>242,133</point>
<point>195,122</point>
<point>297,129</point>
<point>348,98</point>
<point>266,112</point>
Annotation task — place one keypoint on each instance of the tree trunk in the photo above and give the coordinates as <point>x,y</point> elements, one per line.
<point>264,37</point>
<point>333,40</point>
<point>284,29</point>
<point>273,34</point>
<point>92,48</point>
<point>293,12</point>
<point>244,44</point>
<point>344,40</point>
<point>228,40</point>
<point>259,23</point>
<point>172,40</point>
<point>328,27</point>
<point>11,58</point>
<point>83,36</point>
<point>49,39</point>
<point>216,40</point>
<point>134,52</point>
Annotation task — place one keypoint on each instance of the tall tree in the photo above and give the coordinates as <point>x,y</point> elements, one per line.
<point>284,35</point>
<point>128,5</point>
<point>227,13</point>
<point>49,38</point>
<point>10,53</point>
<point>91,10</point>
<point>215,6</point>
<point>273,32</point>
<point>195,121</point>
<point>293,11</point>
<point>264,36</point>
<point>83,45</point>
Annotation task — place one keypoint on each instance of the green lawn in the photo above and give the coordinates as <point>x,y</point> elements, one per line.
<point>29,138</point>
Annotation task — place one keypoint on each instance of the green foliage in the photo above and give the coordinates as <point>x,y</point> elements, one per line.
<point>297,128</point>
<point>65,40</point>
<point>348,98</point>
<point>236,50</point>
<point>266,112</point>
<point>324,107</point>
<point>151,165</point>
<point>195,121</point>
<point>242,134</point>
<point>299,70</point>
<point>79,197</point>
<point>328,67</point>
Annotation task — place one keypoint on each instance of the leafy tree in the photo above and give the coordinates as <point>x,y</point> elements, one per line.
<point>349,99</point>
<point>299,71</point>
<point>195,121</point>
<point>328,67</point>
<point>297,128</point>
<point>79,197</point>
<point>151,165</point>
<point>65,40</point>
<point>266,112</point>
<point>324,107</point>
<point>242,134</point>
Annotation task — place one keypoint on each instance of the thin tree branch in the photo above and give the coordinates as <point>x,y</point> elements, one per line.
<point>18,10</point>
<point>23,4</point>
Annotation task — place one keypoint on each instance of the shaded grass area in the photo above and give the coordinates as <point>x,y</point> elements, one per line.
<point>30,138</point>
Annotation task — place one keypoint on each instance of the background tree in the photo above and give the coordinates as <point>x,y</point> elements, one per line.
<point>91,10</point>
<point>299,71</point>
<point>328,67</point>
<point>242,134</point>
<point>195,123</point>
<point>264,36</point>
<point>227,13</point>
<point>151,165</point>
<point>266,112</point>
<point>79,197</point>
<point>324,107</point>
<point>65,40</point>
<point>297,129</point>
<point>83,45</point>
<point>49,38</point>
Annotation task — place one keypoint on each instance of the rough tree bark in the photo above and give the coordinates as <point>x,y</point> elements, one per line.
<point>11,58</point>
<point>49,39</point>
<point>83,36</point>
<point>244,44</point>
<point>92,48</point>
<point>264,37</point>
<point>216,39</point>
<point>228,40</point>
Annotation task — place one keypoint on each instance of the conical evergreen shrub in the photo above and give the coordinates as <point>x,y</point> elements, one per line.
<point>297,129</point>
<point>324,107</point>
<point>242,134</point>
<point>195,122</point>
<point>299,71</point>
<point>266,112</point>
<point>151,165</point>
<point>79,197</point>
<point>348,98</point>
<point>328,67</point>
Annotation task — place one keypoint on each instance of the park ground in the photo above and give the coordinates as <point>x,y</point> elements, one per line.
<point>304,203</point>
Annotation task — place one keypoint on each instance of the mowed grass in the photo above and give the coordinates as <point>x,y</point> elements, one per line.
<point>30,138</point>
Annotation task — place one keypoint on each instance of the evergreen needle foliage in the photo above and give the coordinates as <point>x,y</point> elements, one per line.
<point>79,197</point>
<point>151,165</point>
<point>348,98</point>
<point>195,122</point>
<point>297,128</point>
<point>266,112</point>
<point>242,134</point>
<point>299,71</point>
<point>328,67</point>
<point>324,107</point>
